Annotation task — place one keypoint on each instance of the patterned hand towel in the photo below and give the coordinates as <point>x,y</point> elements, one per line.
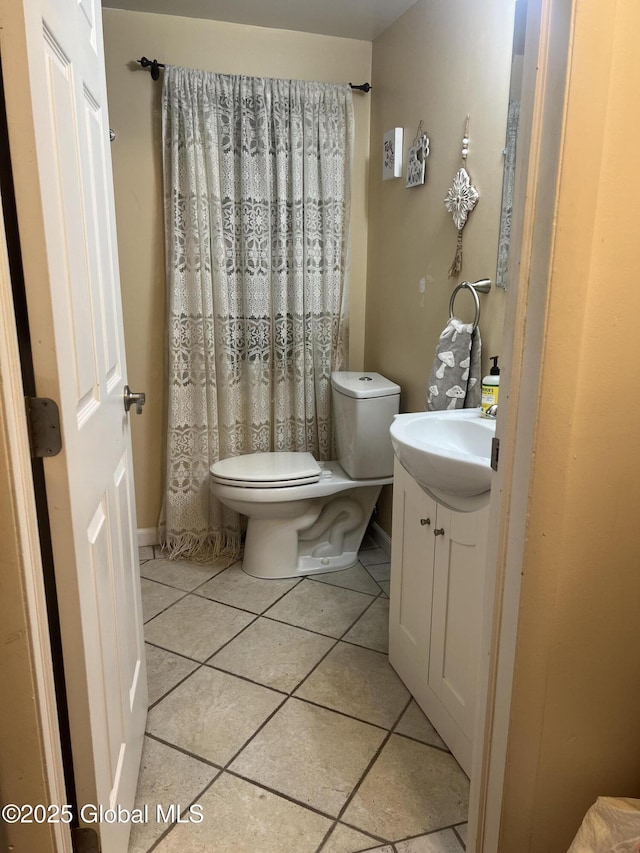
<point>455,376</point>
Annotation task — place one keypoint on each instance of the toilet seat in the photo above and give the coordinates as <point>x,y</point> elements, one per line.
<point>267,470</point>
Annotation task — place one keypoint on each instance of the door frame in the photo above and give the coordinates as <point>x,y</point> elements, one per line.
<point>42,766</point>
<point>547,59</point>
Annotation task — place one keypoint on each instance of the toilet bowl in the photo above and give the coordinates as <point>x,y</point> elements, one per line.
<point>304,516</point>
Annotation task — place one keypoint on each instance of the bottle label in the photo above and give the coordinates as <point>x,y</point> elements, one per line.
<point>489,396</point>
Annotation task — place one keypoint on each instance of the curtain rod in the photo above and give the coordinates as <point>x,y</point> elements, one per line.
<point>154,68</point>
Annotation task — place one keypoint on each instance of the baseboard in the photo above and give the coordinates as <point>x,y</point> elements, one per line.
<point>148,536</point>
<point>380,537</point>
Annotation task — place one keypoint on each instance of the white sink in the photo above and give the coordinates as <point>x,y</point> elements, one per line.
<point>448,454</point>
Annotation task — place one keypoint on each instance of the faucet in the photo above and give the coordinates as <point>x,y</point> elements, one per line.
<point>492,411</point>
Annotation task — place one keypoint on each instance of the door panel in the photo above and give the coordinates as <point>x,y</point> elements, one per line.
<point>59,136</point>
<point>457,613</point>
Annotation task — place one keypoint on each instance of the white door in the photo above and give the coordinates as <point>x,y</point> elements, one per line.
<point>54,78</point>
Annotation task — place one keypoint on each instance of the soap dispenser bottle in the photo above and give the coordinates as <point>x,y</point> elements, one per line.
<point>490,387</point>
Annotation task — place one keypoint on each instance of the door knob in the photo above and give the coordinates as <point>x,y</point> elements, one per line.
<point>439,531</point>
<point>133,398</point>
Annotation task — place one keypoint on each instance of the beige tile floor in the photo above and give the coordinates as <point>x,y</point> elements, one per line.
<point>274,710</point>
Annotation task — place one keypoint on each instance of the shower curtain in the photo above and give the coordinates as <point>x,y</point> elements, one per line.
<point>257,201</point>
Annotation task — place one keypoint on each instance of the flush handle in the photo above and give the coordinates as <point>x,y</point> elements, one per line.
<point>133,398</point>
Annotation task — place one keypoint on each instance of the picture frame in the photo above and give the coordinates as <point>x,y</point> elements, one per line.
<point>417,161</point>
<point>392,154</point>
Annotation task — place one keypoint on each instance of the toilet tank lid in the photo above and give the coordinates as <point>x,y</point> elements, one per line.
<point>363,385</point>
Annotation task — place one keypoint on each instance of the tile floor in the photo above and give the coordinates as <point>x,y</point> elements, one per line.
<point>273,708</point>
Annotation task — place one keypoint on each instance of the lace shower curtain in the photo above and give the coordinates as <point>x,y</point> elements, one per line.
<point>257,198</point>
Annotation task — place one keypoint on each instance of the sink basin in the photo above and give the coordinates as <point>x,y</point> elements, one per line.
<point>448,454</point>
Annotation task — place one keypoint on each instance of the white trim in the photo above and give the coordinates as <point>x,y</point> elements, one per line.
<point>28,540</point>
<point>380,537</point>
<point>148,536</point>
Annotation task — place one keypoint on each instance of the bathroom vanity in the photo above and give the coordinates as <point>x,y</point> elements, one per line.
<point>435,619</point>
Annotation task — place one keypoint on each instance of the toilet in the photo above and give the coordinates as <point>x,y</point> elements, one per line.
<point>304,516</point>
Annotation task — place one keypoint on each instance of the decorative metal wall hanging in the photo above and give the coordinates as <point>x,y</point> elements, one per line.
<point>460,200</point>
<point>392,154</point>
<point>417,159</point>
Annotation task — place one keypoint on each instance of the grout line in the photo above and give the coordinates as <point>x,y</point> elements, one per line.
<point>174,687</point>
<point>292,695</point>
<point>173,652</point>
<point>301,627</point>
<point>213,577</point>
<point>423,742</point>
<point>311,671</point>
<point>280,794</point>
<point>342,714</point>
<point>277,690</point>
<point>366,568</point>
<point>458,836</point>
<point>184,751</point>
<point>244,609</point>
<point>353,624</point>
<point>175,823</point>
<point>373,836</point>
<point>173,586</point>
<point>451,826</point>
<point>356,788</point>
<point>164,610</point>
<point>360,646</point>
<point>316,577</point>
<point>257,731</point>
<point>201,597</point>
<point>372,762</point>
<point>231,639</point>
<point>340,822</point>
<point>386,561</point>
<point>402,713</point>
<point>213,666</point>
<point>326,836</point>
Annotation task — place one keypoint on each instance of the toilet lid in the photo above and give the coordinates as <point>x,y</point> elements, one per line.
<point>267,470</point>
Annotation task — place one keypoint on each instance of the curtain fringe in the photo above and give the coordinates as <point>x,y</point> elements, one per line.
<point>203,549</point>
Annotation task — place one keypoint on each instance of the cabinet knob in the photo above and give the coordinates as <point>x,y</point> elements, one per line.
<point>439,531</point>
<point>424,521</point>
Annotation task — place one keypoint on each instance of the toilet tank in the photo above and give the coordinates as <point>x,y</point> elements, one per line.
<point>363,408</point>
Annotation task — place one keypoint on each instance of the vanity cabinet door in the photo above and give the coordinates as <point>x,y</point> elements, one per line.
<point>414,519</point>
<point>456,612</point>
<point>435,613</point>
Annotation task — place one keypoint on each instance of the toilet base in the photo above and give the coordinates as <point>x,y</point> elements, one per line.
<point>325,538</point>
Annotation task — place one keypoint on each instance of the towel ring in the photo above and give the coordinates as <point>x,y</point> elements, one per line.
<point>476,299</point>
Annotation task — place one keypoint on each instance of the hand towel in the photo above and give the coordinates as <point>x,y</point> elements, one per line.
<point>454,382</point>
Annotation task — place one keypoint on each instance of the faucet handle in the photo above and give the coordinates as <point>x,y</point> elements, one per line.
<point>492,411</point>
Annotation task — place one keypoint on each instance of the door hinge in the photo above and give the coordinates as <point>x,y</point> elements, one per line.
<point>43,419</point>
<point>495,452</point>
<point>84,840</point>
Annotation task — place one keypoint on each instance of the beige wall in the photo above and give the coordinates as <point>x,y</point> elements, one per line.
<point>442,60</point>
<point>134,106</point>
<point>574,721</point>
